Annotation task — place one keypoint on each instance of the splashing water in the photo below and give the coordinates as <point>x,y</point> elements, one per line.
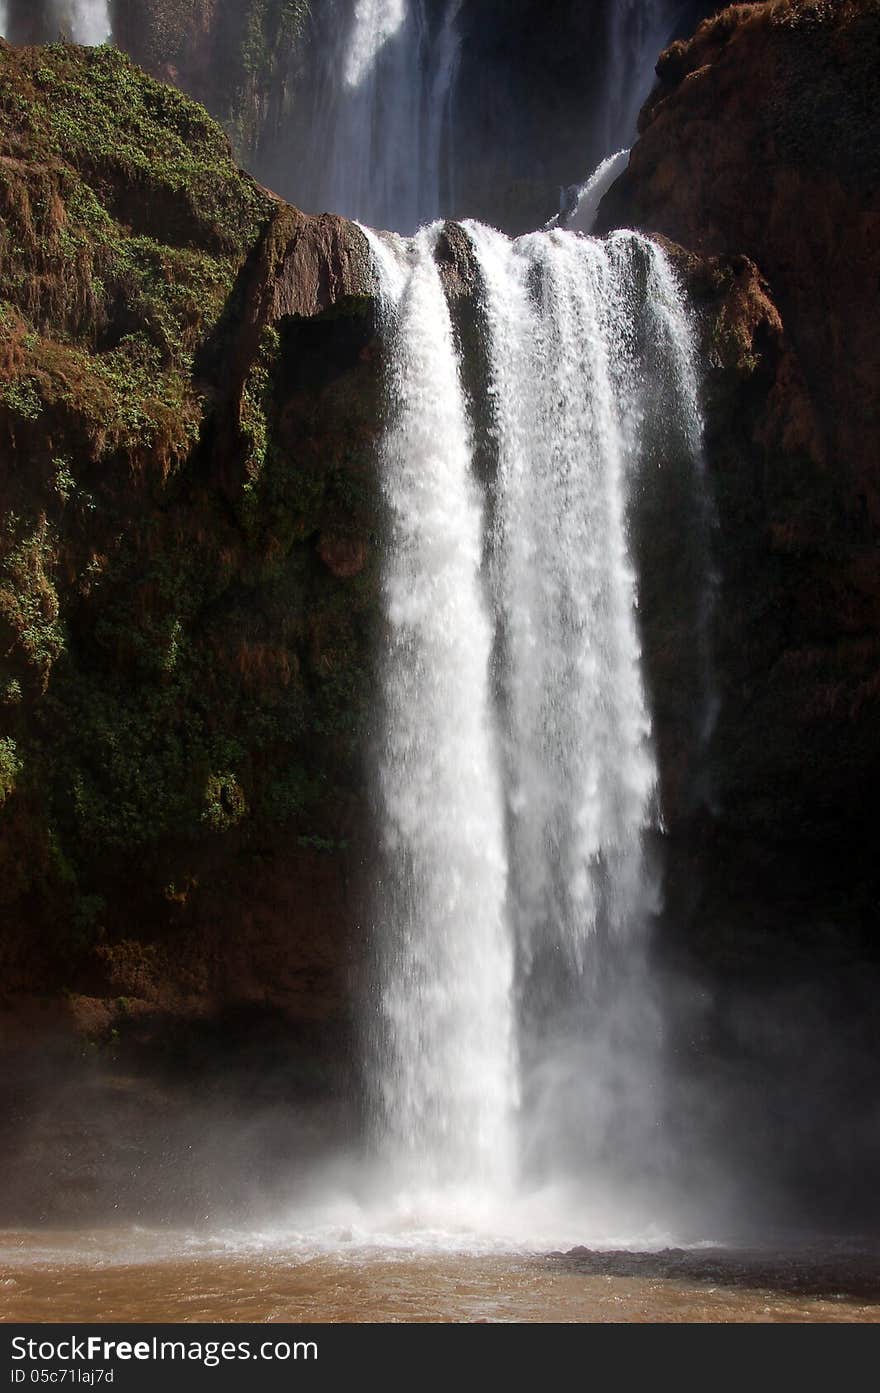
<point>4,19</point>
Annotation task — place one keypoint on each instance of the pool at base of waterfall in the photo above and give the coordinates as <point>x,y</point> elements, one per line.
<point>137,1275</point>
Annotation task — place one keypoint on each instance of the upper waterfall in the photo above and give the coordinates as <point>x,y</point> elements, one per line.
<point>638,31</point>
<point>377,143</point>
<point>373,24</point>
<point>86,21</point>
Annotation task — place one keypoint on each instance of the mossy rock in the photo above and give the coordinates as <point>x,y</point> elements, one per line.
<point>183,663</point>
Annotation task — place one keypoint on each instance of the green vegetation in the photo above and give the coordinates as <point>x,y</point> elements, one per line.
<point>10,768</point>
<point>124,222</point>
<point>254,45</point>
<point>182,678</point>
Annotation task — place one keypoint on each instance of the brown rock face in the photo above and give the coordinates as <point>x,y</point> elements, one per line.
<point>302,266</point>
<point>187,431</point>
<point>343,556</point>
<point>307,265</point>
<point>789,176</point>
<point>759,153</point>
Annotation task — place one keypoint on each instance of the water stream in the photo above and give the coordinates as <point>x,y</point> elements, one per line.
<point>517,782</point>
<point>446,1071</point>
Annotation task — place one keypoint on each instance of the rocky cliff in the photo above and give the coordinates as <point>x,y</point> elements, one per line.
<point>187,411</point>
<point>787,180</point>
<point>758,153</point>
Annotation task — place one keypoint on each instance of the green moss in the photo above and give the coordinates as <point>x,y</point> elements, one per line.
<point>121,235</point>
<point>29,607</point>
<point>22,398</point>
<point>102,115</point>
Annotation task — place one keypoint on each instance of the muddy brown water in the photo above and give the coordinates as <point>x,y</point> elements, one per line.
<point>66,1277</point>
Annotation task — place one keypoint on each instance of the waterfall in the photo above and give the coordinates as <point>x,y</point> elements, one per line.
<point>446,1069</point>
<point>638,31</point>
<point>515,810</point>
<point>85,21</point>
<point>374,147</point>
<point>90,21</point>
<point>592,386</point>
<point>581,772</point>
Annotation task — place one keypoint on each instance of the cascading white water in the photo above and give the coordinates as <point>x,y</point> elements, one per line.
<point>581,773</point>
<point>374,22</point>
<point>674,332</point>
<point>567,792</point>
<point>591,382</point>
<point>381,113</point>
<point>638,30</point>
<point>446,1066</point>
<point>84,21</point>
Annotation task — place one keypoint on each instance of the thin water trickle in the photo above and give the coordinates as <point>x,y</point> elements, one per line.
<point>590,194</point>
<point>674,332</point>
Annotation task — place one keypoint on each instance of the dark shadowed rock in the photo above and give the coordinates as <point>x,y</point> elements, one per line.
<point>759,154</point>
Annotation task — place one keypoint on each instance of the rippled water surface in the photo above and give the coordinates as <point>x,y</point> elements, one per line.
<point>142,1277</point>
